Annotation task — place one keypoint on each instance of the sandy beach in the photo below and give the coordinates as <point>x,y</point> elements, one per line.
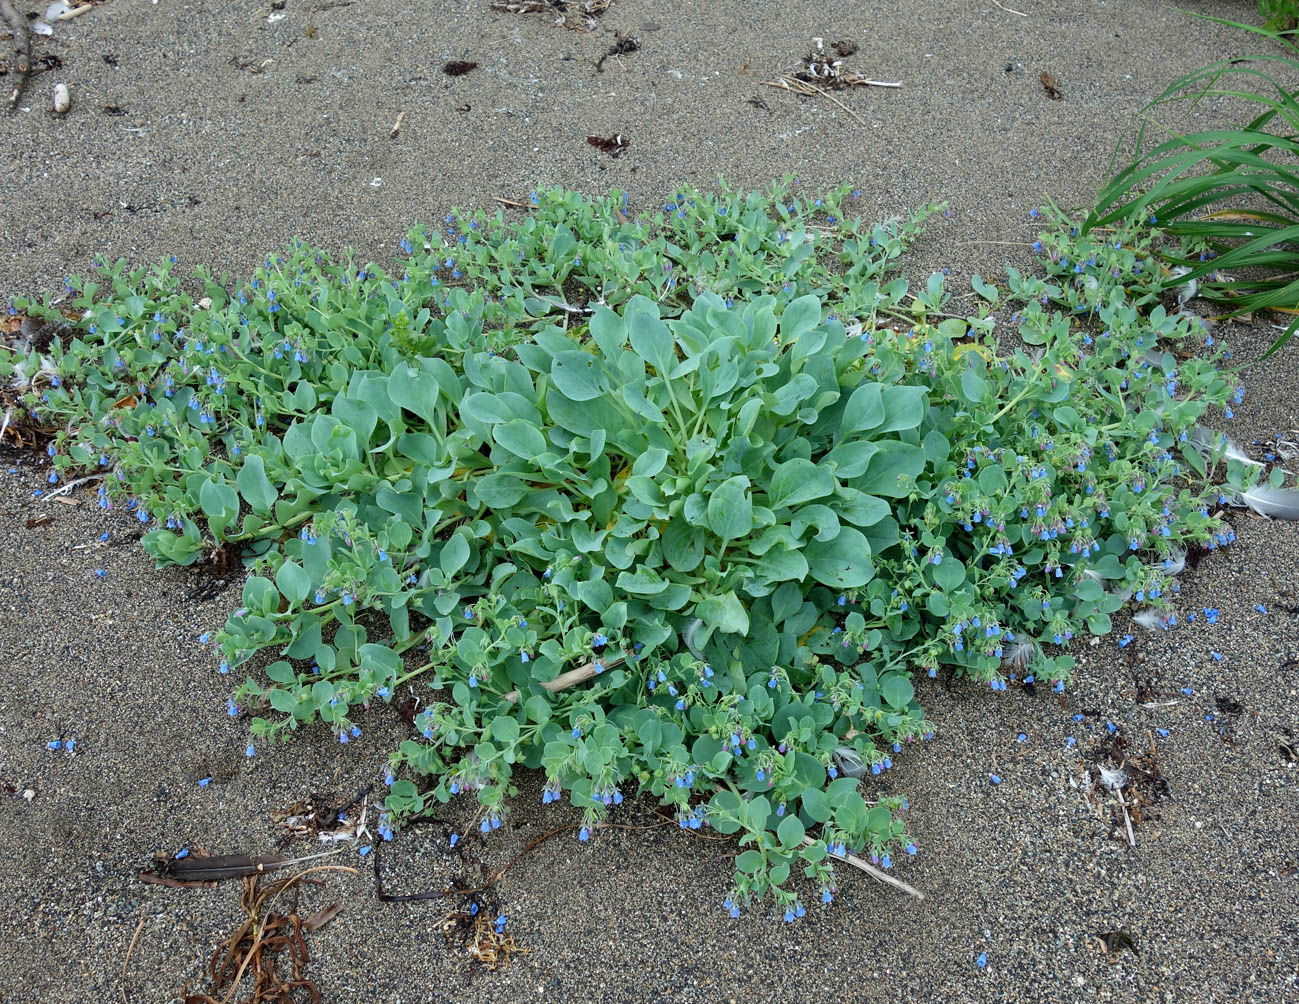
<point>217,132</point>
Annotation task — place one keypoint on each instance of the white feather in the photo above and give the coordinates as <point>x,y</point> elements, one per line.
<point>1114,779</point>
<point>1207,441</point>
<point>848,762</point>
<point>1174,563</point>
<point>1278,503</point>
<point>1019,655</point>
<point>1151,620</point>
<point>1187,290</point>
<point>1287,449</point>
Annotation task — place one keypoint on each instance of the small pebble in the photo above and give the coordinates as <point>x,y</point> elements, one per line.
<point>62,98</point>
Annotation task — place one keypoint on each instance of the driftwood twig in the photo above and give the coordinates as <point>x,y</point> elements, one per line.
<point>873,872</point>
<point>573,677</point>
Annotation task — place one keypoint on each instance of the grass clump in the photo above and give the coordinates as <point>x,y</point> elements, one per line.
<point>1226,201</point>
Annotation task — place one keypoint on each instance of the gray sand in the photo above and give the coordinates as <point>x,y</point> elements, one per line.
<point>238,134</point>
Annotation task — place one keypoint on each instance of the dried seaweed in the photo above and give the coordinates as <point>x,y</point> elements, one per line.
<point>623,45</point>
<point>256,947</point>
<point>614,146</point>
<point>458,67</point>
<point>577,15</point>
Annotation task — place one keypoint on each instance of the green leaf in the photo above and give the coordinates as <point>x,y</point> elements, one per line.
<point>455,552</point>
<point>785,602</point>
<point>904,408</point>
<point>293,582</point>
<point>260,595</point>
<point>414,390</point>
<point>521,438</point>
<point>609,331</point>
<point>649,463</point>
<point>844,562</point>
<point>1089,590</point>
<point>897,691</point>
<point>949,575</point>
<point>850,460</point>
<point>792,394</point>
<point>730,509</point>
<point>578,375</point>
<point>895,460</point>
<point>797,481</point>
<point>537,709</point>
<point>749,861</point>
<point>864,410</point>
<point>281,672</point>
<point>650,733</point>
<point>973,387</point>
<point>858,508</point>
<point>650,337</point>
<point>683,546</point>
<point>780,565</point>
<point>487,409</point>
<point>817,515</point>
<point>357,415</point>
<point>800,317</point>
<point>986,291</point>
<point>850,813</point>
<point>499,491</point>
<point>1099,624</point>
<point>816,805</point>
<point>218,500</point>
<point>725,613</point>
<point>790,831</point>
<point>505,729</point>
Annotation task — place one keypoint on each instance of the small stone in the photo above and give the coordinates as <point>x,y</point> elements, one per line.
<point>62,98</point>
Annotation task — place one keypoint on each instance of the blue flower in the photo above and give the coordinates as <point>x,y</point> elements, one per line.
<point>994,778</point>
<point>982,960</point>
<point>455,839</point>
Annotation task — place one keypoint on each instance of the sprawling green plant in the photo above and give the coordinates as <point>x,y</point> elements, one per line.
<point>1226,199</point>
<point>676,505</point>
